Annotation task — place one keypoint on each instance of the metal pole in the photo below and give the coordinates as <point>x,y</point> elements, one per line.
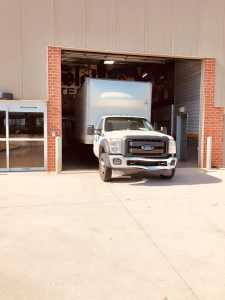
<point>58,154</point>
<point>209,153</point>
<point>172,120</point>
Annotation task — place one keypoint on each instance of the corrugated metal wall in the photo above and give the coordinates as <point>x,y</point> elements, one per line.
<point>187,91</point>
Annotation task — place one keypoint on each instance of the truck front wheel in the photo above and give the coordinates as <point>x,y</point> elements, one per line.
<point>169,175</point>
<point>105,172</point>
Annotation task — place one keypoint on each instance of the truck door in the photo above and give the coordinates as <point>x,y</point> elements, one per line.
<point>97,138</point>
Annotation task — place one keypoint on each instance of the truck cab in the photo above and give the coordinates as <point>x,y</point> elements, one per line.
<point>130,143</point>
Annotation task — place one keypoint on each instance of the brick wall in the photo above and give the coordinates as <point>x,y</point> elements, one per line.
<point>213,117</point>
<point>54,102</point>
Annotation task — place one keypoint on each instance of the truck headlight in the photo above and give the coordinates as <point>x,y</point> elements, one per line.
<point>172,147</point>
<point>115,146</point>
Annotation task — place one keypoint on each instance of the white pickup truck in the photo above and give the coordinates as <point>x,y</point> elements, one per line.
<point>112,115</point>
<point>130,143</point>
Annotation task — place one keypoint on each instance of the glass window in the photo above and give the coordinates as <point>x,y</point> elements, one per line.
<point>127,123</point>
<point>2,155</point>
<point>26,125</point>
<point>2,124</point>
<point>26,154</point>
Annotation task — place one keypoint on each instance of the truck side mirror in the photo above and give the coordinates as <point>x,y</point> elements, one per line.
<point>91,130</point>
<point>163,129</point>
<point>98,131</point>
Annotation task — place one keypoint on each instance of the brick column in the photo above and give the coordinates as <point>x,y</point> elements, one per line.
<point>54,102</point>
<point>213,117</point>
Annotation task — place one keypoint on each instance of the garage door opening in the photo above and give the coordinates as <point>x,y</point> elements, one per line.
<point>175,99</point>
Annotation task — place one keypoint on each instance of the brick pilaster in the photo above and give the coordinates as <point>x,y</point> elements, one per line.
<point>54,102</point>
<point>213,117</point>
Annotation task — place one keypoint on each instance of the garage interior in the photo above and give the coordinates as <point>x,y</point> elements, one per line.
<point>175,99</point>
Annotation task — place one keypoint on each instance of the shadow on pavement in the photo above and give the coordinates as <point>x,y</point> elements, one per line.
<point>184,176</point>
<point>79,157</point>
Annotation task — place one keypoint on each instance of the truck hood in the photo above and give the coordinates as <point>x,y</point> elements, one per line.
<point>119,134</point>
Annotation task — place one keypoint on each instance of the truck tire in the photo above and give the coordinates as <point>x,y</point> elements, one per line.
<point>170,175</point>
<point>104,171</point>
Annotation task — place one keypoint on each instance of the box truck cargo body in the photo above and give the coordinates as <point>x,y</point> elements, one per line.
<point>103,97</point>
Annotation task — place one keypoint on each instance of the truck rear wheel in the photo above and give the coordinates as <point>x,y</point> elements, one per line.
<point>170,174</point>
<point>104,171</point>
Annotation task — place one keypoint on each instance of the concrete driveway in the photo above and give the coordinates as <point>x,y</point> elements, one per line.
<point>70,236</point>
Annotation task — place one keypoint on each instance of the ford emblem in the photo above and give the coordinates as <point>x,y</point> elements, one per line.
<point>147,147</point>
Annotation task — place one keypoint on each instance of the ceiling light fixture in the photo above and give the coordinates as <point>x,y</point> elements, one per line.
<point>144,75</point>
<point>109,62</point>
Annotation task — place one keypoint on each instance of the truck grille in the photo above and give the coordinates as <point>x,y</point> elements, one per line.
<point>149,148</point>
<point>147,163</point>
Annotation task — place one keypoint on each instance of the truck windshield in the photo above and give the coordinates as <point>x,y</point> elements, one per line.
<point>122,123</point>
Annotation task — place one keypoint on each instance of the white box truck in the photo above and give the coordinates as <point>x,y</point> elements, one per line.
<point>114,116</point>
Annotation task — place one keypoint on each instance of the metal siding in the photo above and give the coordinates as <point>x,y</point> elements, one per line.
<point>192,28</point>
<point>159,27</point>
<point>187,91</point>
<point>10,49</point>
<point>34,41</point>
<point>130,35</point>
<point>96,26</point>
<point>186,24</point>
<point>211,31</point>
<point>69,23</point>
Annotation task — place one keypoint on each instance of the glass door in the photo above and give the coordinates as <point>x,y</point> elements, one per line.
<point>23,136</point>
<point>3,142</point>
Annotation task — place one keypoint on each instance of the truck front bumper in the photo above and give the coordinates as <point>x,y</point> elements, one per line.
<point>149,164</point>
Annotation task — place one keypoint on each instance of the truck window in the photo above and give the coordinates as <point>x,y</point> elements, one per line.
<point>122,123</point>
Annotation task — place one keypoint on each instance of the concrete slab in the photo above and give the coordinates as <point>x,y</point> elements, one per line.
<point>70,236</point>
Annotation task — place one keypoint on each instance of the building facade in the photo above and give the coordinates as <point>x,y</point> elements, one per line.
<point>34,33</point>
